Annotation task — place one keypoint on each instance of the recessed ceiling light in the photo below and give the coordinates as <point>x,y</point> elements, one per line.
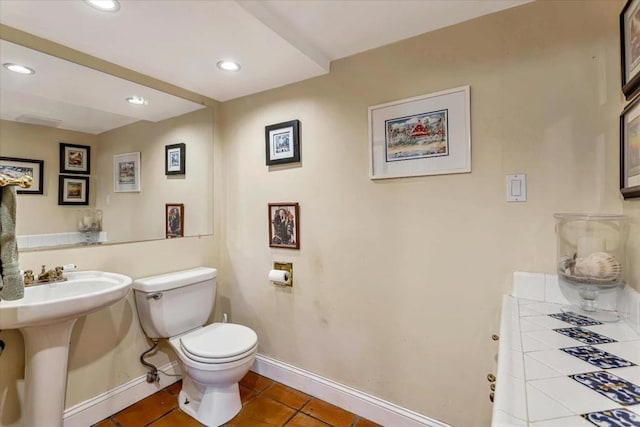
<point>228,66</point>
<point>137,100</point>
<point>104,5</point>
<point>17,68</point>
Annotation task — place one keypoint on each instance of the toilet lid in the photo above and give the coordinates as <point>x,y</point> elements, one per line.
<point>219,341</point>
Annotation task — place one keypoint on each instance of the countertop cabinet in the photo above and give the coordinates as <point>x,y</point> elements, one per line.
<point>558,369</point>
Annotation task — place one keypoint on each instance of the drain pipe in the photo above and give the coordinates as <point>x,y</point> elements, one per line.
<point>152,375</point>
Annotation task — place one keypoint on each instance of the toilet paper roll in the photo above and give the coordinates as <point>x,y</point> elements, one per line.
<point>279,276</point>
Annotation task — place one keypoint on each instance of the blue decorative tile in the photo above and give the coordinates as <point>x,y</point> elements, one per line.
<point>613,418</point>
<point>575,319</point>
<point>584,335</point>
<point>615,388</point>
<point>597,357</point>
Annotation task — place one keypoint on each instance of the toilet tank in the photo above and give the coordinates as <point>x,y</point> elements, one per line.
<point>173,303</point>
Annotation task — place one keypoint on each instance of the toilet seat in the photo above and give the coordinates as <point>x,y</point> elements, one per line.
<point>219,343</point>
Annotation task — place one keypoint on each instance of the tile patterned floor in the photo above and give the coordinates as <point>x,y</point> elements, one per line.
<point>265,403</point>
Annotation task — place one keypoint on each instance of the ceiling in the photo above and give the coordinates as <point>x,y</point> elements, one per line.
<point>277,42</point>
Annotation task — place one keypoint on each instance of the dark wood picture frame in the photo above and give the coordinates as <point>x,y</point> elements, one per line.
<point>630,150</point>
<point>174,220</point>
<point>282,143</point>
<point>629,53</point>
<point>75,159</point>
<point>73,190</point>
<point>284,225</point>
<point>175,159</point>
<point>17,167</point>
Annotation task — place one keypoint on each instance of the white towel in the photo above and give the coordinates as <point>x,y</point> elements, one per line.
<point>12,282</point>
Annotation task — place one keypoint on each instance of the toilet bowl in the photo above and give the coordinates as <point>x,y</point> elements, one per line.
<point>213,358</point>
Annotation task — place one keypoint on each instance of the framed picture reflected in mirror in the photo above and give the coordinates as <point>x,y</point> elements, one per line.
<point>174,217</point>
<point>73,190</point>
<point>175,159</point>
<point>75,159</point>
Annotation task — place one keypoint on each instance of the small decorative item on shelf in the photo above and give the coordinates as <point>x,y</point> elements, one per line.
<point>90,225</point>
<point>590,261</point>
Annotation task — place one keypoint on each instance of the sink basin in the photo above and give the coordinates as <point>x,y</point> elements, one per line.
<point>83,293</point>
<point>45,318</point>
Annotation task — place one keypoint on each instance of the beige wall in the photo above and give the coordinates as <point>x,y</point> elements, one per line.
<point>398,282</point>
<point>140,216</point>
<point>42,143</point>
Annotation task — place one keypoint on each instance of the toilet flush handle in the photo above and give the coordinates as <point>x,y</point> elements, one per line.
<point>156,296</point>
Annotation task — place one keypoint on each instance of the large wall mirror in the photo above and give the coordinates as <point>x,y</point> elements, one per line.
<point>67,105</point>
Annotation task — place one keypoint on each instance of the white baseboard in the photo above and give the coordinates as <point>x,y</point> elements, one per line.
<point>350,399</point>
<point>370,407</point>
<point>106,404</point>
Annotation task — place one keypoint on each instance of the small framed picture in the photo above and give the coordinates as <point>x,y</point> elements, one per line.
<point>174,214</point>
<point>73,190</point>
<point>174,159</point>
<point>629,47</point>
<point>284,227</point>
<point>630,150</point>
<point>126,172</point>
<point>16,168</point>
<point>75,159</point>
<point>283,142</point>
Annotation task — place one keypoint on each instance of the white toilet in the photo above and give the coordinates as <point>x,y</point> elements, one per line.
<point>213,358</point>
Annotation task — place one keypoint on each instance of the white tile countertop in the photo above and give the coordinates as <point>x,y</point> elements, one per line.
<point>560,370</point>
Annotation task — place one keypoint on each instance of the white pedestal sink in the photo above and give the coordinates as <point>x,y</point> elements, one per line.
<point>45,317</point>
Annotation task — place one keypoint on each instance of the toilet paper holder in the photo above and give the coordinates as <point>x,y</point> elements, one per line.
<point>284,266</point>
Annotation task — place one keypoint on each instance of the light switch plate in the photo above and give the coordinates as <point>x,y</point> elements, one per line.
<point>517,188</point>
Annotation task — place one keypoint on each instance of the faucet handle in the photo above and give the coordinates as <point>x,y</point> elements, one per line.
<point>28,277</point>
<point>44,274</point>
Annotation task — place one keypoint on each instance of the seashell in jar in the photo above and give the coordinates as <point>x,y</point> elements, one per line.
<point>566,264</point>
<point>599,265</point>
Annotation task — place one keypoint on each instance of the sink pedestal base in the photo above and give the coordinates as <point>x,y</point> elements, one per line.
<point>45,375</point>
